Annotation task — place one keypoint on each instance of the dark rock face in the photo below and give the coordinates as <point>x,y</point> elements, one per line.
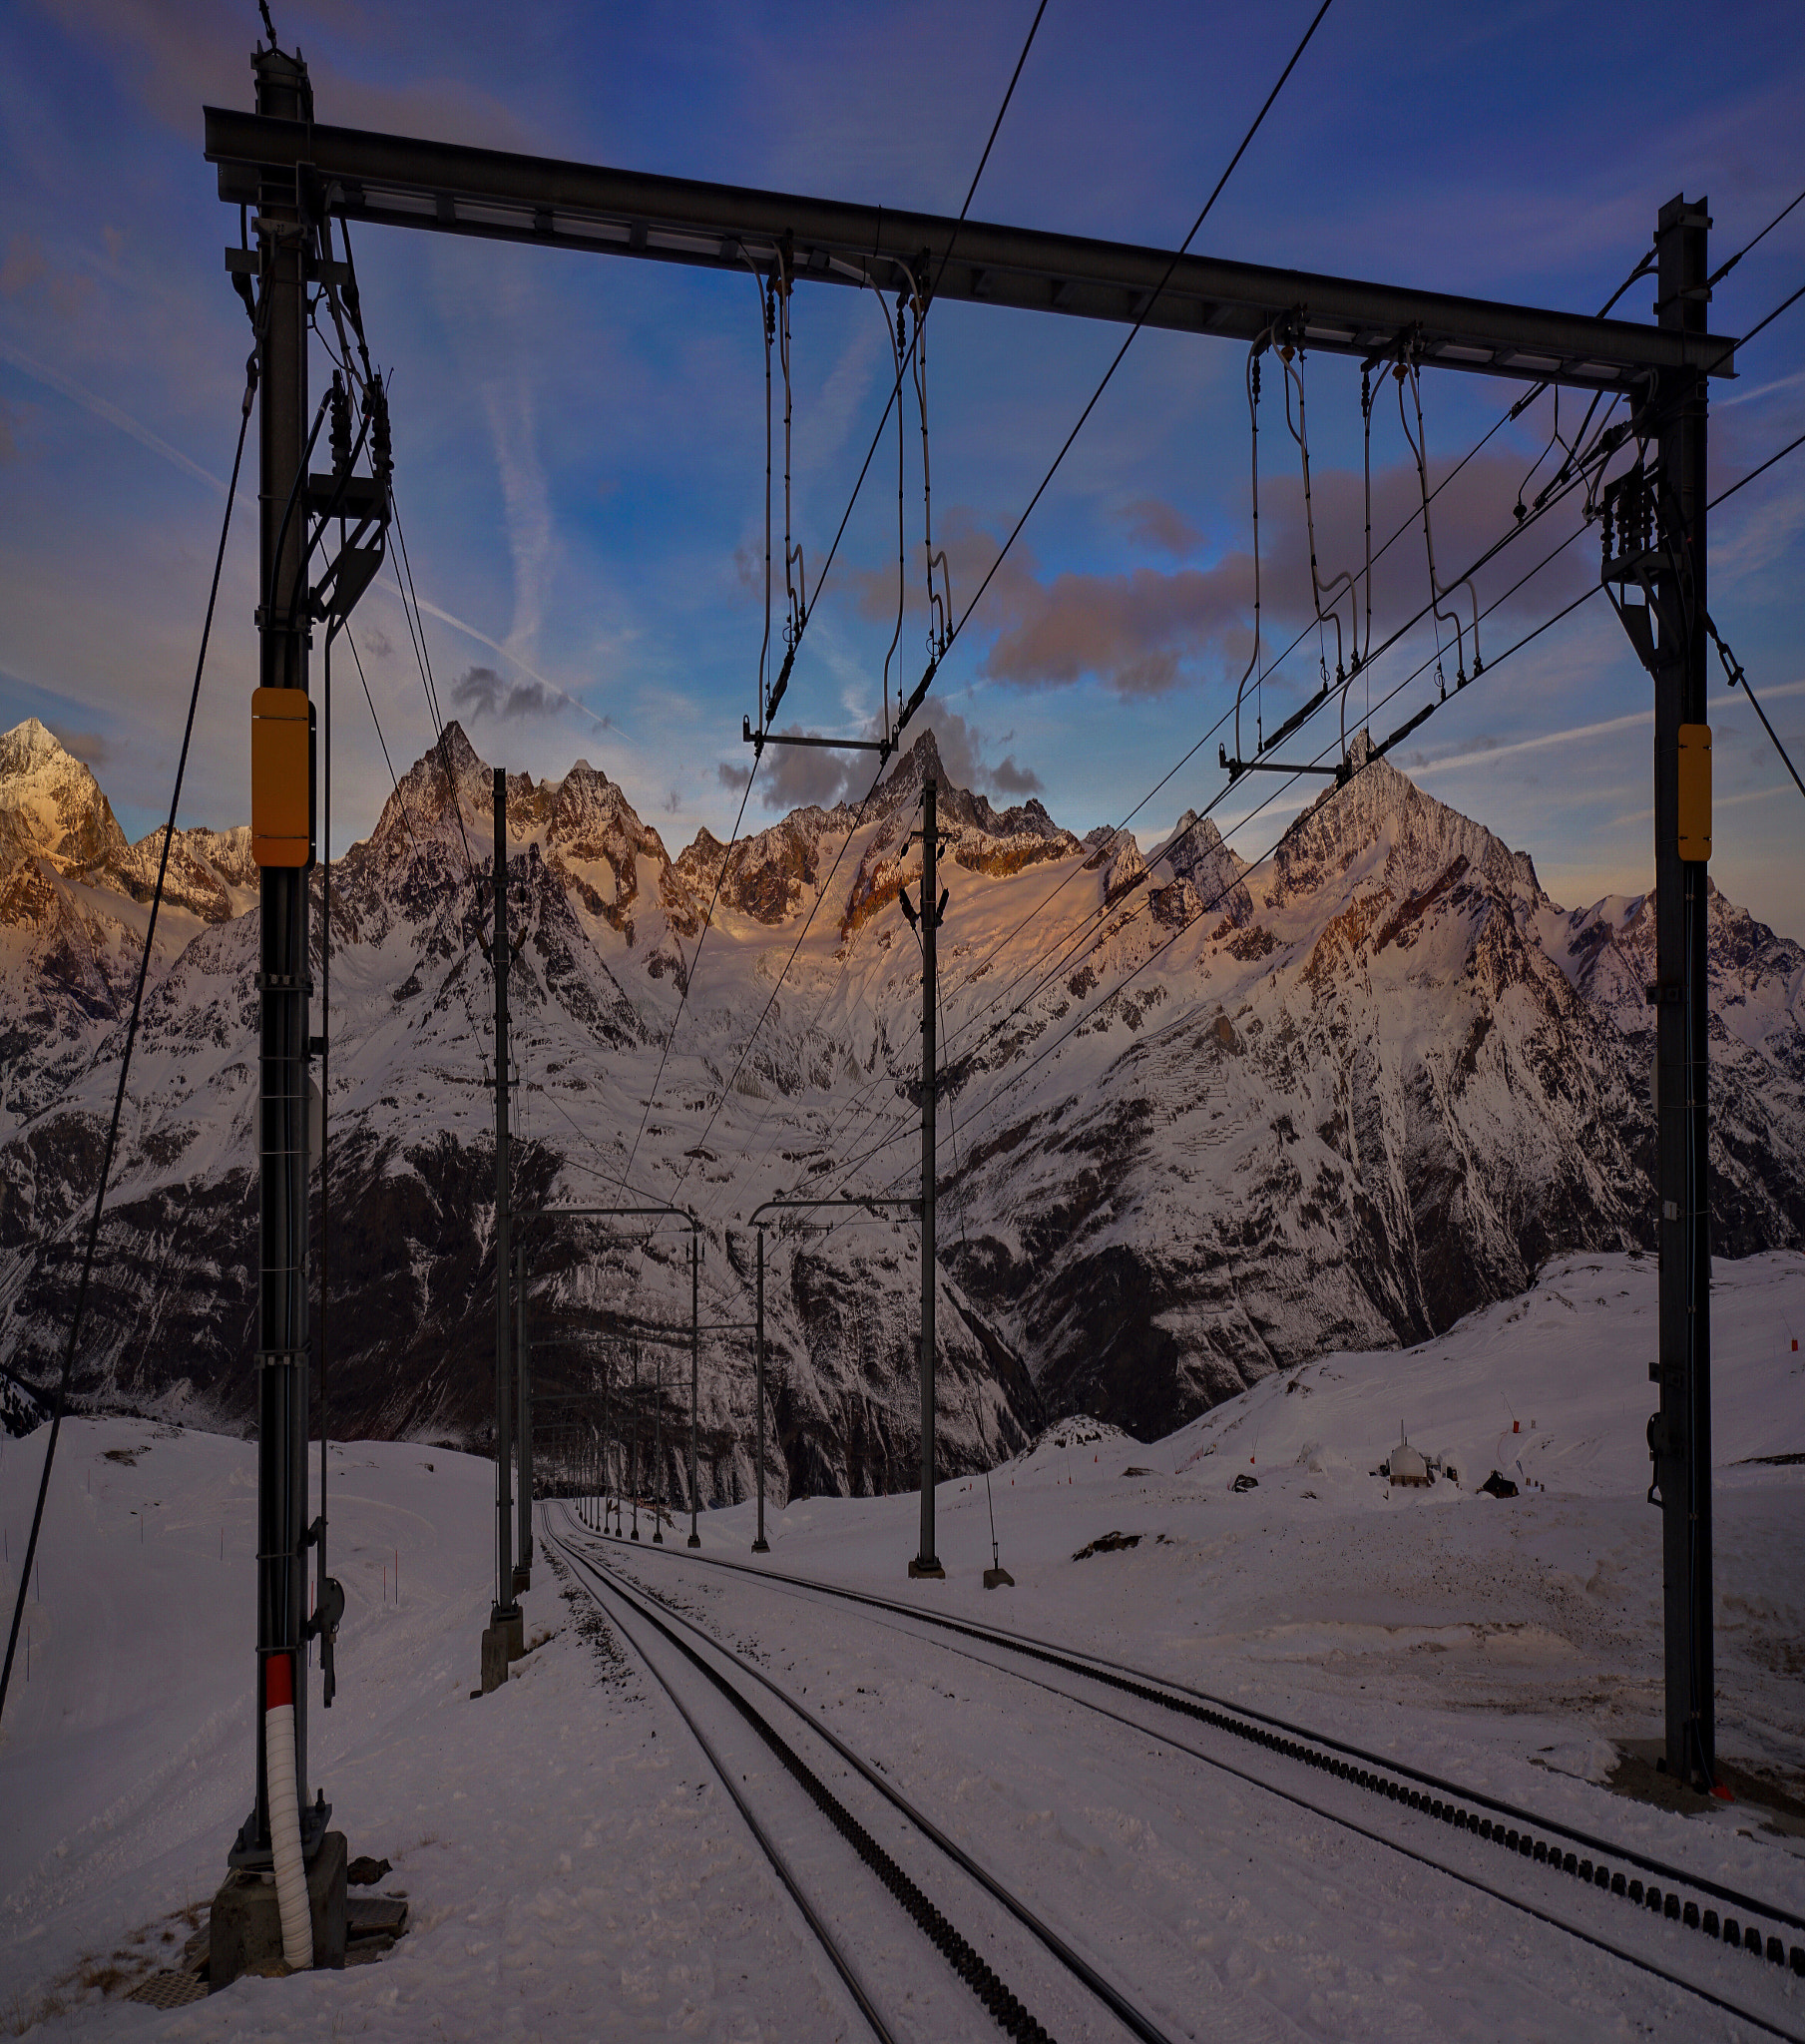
<point>1198,1123</point>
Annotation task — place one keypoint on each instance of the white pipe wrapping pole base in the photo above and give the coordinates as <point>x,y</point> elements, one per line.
<point>284,1819</point>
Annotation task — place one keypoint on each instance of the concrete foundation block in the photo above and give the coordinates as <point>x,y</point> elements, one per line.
<point>244,1932</point>
<point>497,1642</point>
<point>930,1569</point>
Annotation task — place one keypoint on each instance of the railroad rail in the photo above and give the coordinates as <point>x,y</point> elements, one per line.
<point>634,1614</point>
<point>1539,1855</point>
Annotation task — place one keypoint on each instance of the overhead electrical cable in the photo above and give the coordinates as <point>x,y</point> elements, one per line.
<point>1718,275</point>
<point>688,980</point>
<point>1075,940</point>
<point>926,681</point>
<point>1731,666</point>
<point>131,1041</point>
<point>416,631</point>
<point>381,740</point>
<point>1724,496</point>
<point>1760,326</point>
<point>902,368</point>
<point>1736,678</point>
<point>1159,291</point>
<point>1016,1075</point>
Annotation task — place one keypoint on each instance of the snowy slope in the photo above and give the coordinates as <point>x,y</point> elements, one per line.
<point>571,1875</point>
<point>1345,1099</point>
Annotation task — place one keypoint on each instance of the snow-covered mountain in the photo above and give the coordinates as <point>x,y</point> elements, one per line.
<point>1345,1099</point>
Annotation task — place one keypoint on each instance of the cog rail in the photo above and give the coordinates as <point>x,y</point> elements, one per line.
<point>1605,1868</point>
<point>1009,2014</point>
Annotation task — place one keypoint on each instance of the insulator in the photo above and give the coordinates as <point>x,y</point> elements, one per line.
<point>382,454</point>
<point>341,426</point>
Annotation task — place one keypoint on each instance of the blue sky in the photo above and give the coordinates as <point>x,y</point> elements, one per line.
<point>580,441</point>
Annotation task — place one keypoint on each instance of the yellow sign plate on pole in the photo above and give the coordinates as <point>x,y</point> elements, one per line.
<point>1696,791</point>
<point>282,777</point>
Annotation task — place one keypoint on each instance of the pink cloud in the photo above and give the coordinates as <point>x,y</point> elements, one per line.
<point>1148,629</point>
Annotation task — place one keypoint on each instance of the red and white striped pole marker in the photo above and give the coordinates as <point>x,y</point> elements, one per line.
<point>285,1811</point>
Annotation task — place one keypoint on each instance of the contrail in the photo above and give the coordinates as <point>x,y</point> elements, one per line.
<point>601,724</point>
<point>104,408</point>
<point>1643,718</point>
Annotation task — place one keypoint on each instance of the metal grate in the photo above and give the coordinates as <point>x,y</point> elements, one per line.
<point>166,1989</point>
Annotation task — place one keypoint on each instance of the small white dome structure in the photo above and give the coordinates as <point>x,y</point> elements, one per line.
<point>1406,1465</point>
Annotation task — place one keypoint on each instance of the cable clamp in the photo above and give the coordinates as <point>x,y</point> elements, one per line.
<point>271,1359</point>
<point>283,983</point>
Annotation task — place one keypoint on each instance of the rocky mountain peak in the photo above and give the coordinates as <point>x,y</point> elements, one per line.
<point>27,744</point>
<point>1218,1136</point>
<point>903,784</point>
<point>959,808</point>
<point>1196,852</point>
<point>1383,822</point>
<point>447,786</point>
<point>587,816</point>
<point>52,806</point>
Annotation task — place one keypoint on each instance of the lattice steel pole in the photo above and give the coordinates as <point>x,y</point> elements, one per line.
<point>283,985</point>
<point>759,1544</point>
<point>926,1563</point>
<point>1682,1431</point>
<point>695,1369</point>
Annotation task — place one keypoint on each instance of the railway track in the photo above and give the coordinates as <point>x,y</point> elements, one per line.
<point>743,1720</point>
<point>1676,1926</point>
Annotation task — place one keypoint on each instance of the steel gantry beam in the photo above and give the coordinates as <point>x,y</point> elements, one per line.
<point>404,181</point>
<point>295,173</point>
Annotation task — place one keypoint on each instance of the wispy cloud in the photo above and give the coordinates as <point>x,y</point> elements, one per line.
<point>793,777</point>
<point>104,408</point>
<point>1791,383</point>
<point>483,693</point>
<point>513,431</point>
<point>1489,753</point>
<point>1718,801</point>
<point>550,692</point>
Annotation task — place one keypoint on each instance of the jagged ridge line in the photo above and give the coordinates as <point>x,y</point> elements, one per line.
<point>1077,936</point>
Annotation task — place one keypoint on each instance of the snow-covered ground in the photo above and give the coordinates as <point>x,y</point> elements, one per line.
<point>571,1876</point>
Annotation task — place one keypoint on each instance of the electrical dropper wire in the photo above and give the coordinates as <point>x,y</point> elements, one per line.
<point>1015,531</point>
<point>921,689</point>
<point>125,1062</point>
<point>895,394</point>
